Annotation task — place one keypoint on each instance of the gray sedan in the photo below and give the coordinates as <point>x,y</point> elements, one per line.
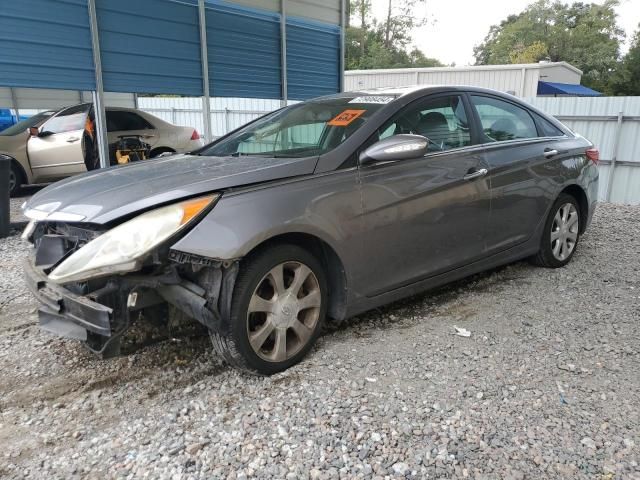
<point>326,208</point>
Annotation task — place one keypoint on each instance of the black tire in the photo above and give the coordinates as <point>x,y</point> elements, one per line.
<point>545,256</point>
<point>16,179</point>
<point>234,346</point>
<point>159,151</point>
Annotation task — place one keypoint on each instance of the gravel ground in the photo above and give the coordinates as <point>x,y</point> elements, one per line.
<point>546,386</point>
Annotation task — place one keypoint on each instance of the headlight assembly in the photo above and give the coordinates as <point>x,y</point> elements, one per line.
<point>123,248</point>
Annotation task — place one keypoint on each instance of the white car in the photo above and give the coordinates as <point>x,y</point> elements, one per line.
<point>56,149</point>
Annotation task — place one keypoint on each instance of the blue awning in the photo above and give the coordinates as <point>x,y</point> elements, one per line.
<point>553,88</point>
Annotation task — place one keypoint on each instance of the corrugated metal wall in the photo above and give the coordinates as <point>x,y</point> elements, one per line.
<point>244,52</point>
<point>153,46</point>
<point>313,50</point>
<point>596,119</point>
<point>58,56</point>
<point>499,78</point>
<point>226,113</point>
<point>149,49</point>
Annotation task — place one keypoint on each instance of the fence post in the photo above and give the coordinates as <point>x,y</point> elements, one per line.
<point>173,115</point>
<point>616,145</point>
<point>5,206</point>
<point>227,120</point>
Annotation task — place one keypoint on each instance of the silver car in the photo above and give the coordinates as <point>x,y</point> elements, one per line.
<point>51,145</point>
<point>322,209</point>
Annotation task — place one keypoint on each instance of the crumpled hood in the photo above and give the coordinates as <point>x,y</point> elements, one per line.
<point>103,196</point>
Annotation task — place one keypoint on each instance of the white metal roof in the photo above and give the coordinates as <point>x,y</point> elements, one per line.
<point>515,66</point>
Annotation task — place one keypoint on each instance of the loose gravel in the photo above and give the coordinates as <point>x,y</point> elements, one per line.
<point>546,386</point>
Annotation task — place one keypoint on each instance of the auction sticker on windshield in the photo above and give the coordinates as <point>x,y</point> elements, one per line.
<point>378,99</point>
<point>345,118</point>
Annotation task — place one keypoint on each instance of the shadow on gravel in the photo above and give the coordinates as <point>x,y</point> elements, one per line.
<point>394,314</point>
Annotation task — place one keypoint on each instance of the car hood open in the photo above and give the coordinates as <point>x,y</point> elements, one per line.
<point>103,196</point>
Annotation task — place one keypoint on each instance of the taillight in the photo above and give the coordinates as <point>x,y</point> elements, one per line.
<point>594,155</point>
<point>195,135</point>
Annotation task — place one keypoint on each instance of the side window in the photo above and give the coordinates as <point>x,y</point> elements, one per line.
<point>68,120</point>
<point>442,120</point>
<point>548,128</point>
<point>122,121</point>
<point>502,120</point>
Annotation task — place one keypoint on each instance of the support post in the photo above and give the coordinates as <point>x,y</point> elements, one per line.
<point>135,101</point>
<point>227,120</point>
<point>98,94</point>
<point>283,53</point>
<point>523,80</point>
<point>343,26</point>
<point>14,101</point>
<point>5,203</point>
<point>616,146</point>
<point>204,60</point>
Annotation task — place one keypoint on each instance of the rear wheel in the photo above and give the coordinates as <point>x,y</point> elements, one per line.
<point>156,152</point>
<point>16,180</point>
<point>277,311</point>
<point>561,233</point>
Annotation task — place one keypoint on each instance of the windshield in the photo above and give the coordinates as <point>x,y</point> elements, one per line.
<point>34,121</point>
<point>301,130</point>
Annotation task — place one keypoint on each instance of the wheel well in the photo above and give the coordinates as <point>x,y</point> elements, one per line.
<point>159,150</point>
<point>20,169</point>
<point>578,193</point>
<point>336,275</point>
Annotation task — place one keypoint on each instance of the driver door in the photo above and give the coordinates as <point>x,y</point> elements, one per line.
<point>57,151</point>
<point>427,215</point>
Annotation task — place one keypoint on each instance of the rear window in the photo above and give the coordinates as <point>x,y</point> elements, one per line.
<point>502,121</point>
<point>547,128</point>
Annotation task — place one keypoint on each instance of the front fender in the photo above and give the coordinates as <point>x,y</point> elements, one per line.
<point>326,206</point>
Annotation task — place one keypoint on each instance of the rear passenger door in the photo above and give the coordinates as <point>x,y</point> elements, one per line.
<point>515,153</point>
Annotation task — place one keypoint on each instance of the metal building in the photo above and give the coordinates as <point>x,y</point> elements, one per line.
<point>266,49</point>
<point>522,80</point>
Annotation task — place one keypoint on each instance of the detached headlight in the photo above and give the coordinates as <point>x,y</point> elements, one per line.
<point>122,248</point>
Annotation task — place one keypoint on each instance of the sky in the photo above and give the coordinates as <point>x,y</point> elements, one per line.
<point>456,26</point>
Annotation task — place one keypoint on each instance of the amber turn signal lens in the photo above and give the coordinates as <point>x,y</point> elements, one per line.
<point>191,208</point>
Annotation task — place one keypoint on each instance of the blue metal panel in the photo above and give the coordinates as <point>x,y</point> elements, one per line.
<point>313,58</point>
<point>244,51</point>
<point>554,88</point>
<point>46,44</point>
<point>150,46</point>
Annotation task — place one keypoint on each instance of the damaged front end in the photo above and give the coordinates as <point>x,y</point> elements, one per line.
<point>100,310</point>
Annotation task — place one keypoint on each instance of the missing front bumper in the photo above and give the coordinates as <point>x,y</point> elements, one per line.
<point>98,317</point>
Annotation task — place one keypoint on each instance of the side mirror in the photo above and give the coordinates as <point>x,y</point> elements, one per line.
<point>397,147</point>
<point>34,131</point>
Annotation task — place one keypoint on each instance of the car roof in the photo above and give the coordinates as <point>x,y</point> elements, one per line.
<point>402,91</point>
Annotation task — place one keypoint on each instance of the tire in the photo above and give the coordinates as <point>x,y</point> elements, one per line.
<point>16,179</point>
<point>159,151</point>
<point>276,332</point>
<point>560,237</point>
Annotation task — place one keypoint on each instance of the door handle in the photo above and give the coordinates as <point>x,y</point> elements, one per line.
<point>72,139</point>
<point>550,153</point>
<point>476,174</point>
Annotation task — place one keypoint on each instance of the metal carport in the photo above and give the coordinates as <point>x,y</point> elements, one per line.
<point>272,49</point>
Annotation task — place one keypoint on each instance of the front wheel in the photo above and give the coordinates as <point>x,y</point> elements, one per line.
<point>561,233</point>
<point>277,311</point>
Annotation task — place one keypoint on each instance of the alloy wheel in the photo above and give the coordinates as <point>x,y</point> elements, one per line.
<point>564,231</point>
<point>283,311</point>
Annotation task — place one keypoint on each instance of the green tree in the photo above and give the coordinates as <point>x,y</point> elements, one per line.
<point>583,34</point>
<point>371,43</point>
<point>627,78</point>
